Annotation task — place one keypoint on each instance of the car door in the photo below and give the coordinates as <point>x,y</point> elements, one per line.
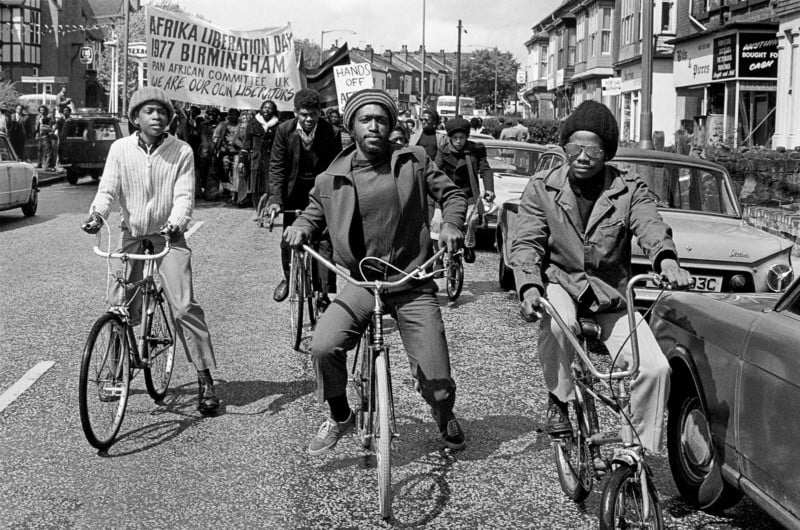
<point>17,191</point>
<point>5,186</point>
<point>768,417</point>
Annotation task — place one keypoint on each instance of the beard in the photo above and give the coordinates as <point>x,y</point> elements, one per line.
<point>372,145</point>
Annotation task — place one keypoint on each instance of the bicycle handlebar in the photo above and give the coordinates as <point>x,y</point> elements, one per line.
<point>418,274</point>
<point>127,256</point>
<point>610,375</point>
<point>274,213</point>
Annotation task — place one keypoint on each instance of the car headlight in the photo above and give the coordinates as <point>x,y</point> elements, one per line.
<point>779,277</point>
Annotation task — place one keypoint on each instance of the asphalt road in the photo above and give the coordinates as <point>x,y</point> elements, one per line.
<point>248,468</point>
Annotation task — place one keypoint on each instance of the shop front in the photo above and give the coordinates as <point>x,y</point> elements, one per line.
<point>663,101</point>
<point>726,86</point>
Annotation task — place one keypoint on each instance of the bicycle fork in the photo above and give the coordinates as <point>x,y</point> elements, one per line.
<point>379,348</point>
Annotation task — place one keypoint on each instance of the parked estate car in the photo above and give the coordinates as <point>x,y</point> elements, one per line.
<point>733,420</point>
<point>696,199</point>
<point>84,144</point>
<point>513,164</point>
<point>19,181</point>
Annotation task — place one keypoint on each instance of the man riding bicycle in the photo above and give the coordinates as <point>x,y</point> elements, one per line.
<point>374,200</point>
<point>151,174</point>
<point>464,161</point>
<point>573,245</point>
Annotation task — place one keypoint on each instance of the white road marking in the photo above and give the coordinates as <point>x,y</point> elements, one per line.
<point>24,383</point>
<point>195,227</point>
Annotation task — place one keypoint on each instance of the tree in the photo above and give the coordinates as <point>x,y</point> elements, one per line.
<point>478,73</point>
<point>311,52</point>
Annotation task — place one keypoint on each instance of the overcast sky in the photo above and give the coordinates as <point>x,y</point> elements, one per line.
<point>388,24</point>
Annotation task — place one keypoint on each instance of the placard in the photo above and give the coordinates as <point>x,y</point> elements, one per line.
<point>350,78</point>
<point>198,62</point>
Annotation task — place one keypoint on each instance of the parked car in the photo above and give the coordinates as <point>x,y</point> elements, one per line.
<point>697,200</point>
<point>513,164</point>
<point>733,420</point>
<point>19,181</point>
<point>84,144</point>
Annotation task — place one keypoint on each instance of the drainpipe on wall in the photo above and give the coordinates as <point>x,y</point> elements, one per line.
<point>694,20</point>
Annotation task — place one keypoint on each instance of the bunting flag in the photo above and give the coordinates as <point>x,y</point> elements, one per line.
<point>321,78</point>
<point>62,29</point>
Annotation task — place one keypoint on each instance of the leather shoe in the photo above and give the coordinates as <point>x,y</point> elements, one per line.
<point>469,255</point>
<point>557,417</point>
<point>207,400</point>
<point>281,291</point>
<point>323,303</point>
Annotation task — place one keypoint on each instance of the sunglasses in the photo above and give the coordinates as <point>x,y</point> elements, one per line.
<point>573,150</point>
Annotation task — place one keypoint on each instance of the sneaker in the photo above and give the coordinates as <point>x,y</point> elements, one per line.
<point>207,400</point>
<point>281,291</point>
<point>452,437</point>
<point>329,434</point>
<point>557,417</point>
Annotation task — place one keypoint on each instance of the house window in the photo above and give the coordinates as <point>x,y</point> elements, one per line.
<point>668,16</point>
<point>544,66</point>
<point>592,50</point>
<point>580,37</point>
<point>571,48</point>
<point>20,33</point>
<point>605,31</point>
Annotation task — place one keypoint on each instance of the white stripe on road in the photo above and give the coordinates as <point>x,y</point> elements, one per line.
<point>195,227</point>
<point>24,383</point>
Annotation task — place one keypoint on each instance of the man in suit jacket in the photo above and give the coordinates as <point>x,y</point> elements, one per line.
<point>303,148</point>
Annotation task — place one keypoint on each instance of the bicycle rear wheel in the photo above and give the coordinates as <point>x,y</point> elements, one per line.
<point>573,457</point>
<point>455,278</point>
<point>104,382</point>
<point>311,295</point>
<point>383,438</point>
<point>622,505</point>
<point>159,347</point>
<point>297,300</point>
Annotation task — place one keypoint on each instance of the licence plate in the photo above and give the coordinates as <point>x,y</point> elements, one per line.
<point>707,284</point>
<point>91,164</point>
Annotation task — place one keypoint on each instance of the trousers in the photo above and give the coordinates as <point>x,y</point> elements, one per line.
<point>175,272</point>
<point>649,387</point>
<point>421,330</point>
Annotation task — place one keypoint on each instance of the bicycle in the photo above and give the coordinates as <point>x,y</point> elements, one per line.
<point>454,274</point>
<point>371,379</point>
<point>115,350</point>
<point>302,291</point>
<point>629,498</point>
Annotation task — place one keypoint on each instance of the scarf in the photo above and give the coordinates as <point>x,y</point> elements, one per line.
<point>267,125</point>
<point>308,139</point>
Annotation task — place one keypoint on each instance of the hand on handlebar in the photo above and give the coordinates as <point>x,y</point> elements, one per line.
<point>489,196</point>
<point>92,224</point>
<point>529,306</point>
<point>450,237</point>
<point>294,237</point>
<point>674,275</point>
<point>170,230</point>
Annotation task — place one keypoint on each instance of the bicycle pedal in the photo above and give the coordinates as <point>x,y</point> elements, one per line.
<point>110,393</point>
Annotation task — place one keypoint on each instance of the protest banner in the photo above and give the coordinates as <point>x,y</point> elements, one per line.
<point>351,78</point>
<point>195,61</point>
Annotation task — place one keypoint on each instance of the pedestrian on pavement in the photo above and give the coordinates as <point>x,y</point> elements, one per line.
<point>207,184</point>
<point>426,136</point>
<point>151,175</point>
<point>44,136</point>
<point>522,131</point>
<point>464,161</point>
<point>66,113</point>
<point>499,125</point>
<point>303,148</point>
<point>4,118</point>
<point>509,131</point>
<point>335,119</point>
<point>572,244</point>
<point>227,145</point>
<point>256,150</point>
<point>373,200</point>
<point>18,131</point>
<point>62,100</point>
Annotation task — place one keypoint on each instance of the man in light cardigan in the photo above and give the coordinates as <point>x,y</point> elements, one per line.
<point>151,174</point>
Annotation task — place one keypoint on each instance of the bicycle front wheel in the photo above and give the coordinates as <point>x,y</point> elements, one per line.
<point>159,347</point>
<point>297,301</point>
<point>366,394</point>
<point>455,278</point>
<point>104,382</point>
<point>622,505</point>
<point>383,438</point>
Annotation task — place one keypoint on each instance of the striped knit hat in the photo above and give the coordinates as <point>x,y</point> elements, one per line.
<point>149,93</point>
<point>369,96</point>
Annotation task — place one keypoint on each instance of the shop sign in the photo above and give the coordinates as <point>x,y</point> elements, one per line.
<point>692,65</point>
<point>724,65</point>
<point>612,86</point>
<point>758,55</point>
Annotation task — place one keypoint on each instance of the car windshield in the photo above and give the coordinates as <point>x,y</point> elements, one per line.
<point>76,129</point>
<point>105,131</point>
<point>518,162</point>
<point>686,188</point>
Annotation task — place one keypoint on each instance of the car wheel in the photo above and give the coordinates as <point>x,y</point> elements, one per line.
<point>505,276</point>
<point>29,208</point>
<point>96,175</point>
<point>693,460</point>
<point>73,176</point>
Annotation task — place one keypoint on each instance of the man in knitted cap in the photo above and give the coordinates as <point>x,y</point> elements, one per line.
<point>573,245</point>
<point>151,175</point>
<point>464,161</point>
<point>374,201</point>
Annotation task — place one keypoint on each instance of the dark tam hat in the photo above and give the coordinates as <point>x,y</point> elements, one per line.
<point>594,117</point>
<point>455,125</point>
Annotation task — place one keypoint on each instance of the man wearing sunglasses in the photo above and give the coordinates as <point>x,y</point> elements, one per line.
<point>573,245</point>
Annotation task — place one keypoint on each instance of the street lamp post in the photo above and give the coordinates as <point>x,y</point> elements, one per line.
<point>422,73</point>
<point>458,68</point>
<point>494,111</point>
<point>646,118</point>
